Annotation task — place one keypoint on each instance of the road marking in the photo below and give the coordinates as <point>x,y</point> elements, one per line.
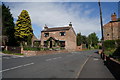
<point>53,58</point>
<point>95,59</point>
<point>82,67</point>
<point>48,59</point>
<point>16,67</point>
<point>70,55</point>
<point>59,57</point>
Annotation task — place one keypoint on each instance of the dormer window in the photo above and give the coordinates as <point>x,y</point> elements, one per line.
<point>62,33</point>
<point>46,34</point>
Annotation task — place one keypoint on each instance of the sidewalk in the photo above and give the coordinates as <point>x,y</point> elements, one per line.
<point>2,54</point>
<point>95,68</point>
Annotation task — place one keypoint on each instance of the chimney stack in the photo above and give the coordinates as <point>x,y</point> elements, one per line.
<point>45,27</point>
<point>114,17</point>
<point>70,24</point>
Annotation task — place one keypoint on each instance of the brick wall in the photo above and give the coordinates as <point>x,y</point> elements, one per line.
<point>14,49</point>
<point>69,38</point>
<point>111,31</point>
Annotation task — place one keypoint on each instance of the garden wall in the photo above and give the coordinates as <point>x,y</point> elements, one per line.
<point>113,66</point>
<point>14,49</point>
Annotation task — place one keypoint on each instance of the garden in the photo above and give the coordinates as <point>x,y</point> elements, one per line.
<point>112,49</point>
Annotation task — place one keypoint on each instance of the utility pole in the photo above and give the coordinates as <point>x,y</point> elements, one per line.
<point>101,22</point>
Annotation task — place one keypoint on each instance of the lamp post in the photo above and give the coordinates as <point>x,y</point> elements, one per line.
<point>101,22</point>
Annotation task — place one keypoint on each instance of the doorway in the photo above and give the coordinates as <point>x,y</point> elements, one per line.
<point>50,44</point>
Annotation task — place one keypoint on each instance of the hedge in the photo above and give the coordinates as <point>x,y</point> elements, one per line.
<point>109,44</point>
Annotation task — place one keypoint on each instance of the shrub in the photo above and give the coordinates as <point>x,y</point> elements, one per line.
<point>100,47</point>
<point>117,52</point>
<point>109,44</point>
<point>32,48</point>
<point>118,43</point>
<point>9,52</point>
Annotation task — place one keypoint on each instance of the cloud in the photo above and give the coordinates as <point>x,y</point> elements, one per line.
<point>59,0</point>
<point>58,14</point>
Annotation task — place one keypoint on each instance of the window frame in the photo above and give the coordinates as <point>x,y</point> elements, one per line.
<point>62,33</point>
<point>46,34</point>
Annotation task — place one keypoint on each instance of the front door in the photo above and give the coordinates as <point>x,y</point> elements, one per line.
<point>50,44</point>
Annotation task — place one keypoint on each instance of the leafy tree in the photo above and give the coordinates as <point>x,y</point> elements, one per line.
<point>23,28</point>
<point>92,39</point>
<point>79,42</point>
<point>118,19</point>
<point>8,25</point>
<point>84,39</point>
<point>81,39</point>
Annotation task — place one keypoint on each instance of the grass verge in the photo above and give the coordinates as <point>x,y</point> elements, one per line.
<point>8,52</point>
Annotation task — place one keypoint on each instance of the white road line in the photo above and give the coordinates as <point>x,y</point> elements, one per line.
<point>59,57</point>
<point>16,67</point>
<point>95,59</point>
<point>82,67</point>
<point>28,64</point>
<point>48,59</point>
<point>69,55</point>
<point>53,58</point>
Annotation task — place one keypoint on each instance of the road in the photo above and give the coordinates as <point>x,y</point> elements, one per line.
<point>84,64</point>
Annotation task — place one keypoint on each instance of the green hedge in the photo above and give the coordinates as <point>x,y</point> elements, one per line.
<point>112,47</point>
<point>31,48</point>
<point>109,44</point>
<point>8,52</point>
<point>118,42</point>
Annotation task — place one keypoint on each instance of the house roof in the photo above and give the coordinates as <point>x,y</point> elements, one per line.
<point>56,29</point>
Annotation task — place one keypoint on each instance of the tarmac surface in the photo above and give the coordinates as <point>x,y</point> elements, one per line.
<point>74,65</point>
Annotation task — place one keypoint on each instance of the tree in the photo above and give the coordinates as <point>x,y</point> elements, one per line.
<point>118,19</point>
<point>8,25</point>
<point>81,39</point>
<point>84,39</point>
<point>79,42</point>
<point>23,28</point>
<point>92,39</point>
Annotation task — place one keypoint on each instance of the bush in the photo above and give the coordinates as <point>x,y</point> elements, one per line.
<point>109,44</point>
<point>32,48</point>
<point>96,47</point>
<point>118,43</point>
<point>117,52</point>
<point>100,47</point>
<point>109,52</point>
<point>8,52</point>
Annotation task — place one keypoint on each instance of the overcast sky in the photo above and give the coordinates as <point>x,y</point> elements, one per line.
<point>83,15</point>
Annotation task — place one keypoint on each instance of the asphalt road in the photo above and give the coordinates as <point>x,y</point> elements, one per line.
<point>84,64</point>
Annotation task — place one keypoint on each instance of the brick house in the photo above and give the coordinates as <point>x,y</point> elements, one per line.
<point>111,30</point>
<point>59,37</point>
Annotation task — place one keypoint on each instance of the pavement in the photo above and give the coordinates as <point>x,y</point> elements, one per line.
<point>83,64</point>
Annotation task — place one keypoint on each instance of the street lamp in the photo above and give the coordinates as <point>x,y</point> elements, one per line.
<point>101,22</point>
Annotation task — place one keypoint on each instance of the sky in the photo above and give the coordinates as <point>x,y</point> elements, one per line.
<point>83,15</point>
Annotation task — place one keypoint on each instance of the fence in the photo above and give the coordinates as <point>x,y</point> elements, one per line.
<point>113,66</point>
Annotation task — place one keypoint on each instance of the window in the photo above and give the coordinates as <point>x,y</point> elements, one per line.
<point>45,44</point>
<point>62,33</point>
<point>62,43</point>
<point>46,34</point>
